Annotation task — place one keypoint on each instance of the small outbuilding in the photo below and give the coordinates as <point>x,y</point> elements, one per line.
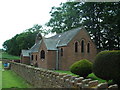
<point>25,57</point>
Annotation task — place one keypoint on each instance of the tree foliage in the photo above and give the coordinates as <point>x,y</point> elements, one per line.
<point>65,17</point>
<point>100,19</point>
<point>24,40</point>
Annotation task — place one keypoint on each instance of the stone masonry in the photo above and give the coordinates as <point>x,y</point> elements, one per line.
<point>43,78</point>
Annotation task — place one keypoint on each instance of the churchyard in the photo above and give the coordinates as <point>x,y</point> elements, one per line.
<point>20,75</point>
<point>10,79</point>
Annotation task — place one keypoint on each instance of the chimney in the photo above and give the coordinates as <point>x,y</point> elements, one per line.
<point>38,37</point>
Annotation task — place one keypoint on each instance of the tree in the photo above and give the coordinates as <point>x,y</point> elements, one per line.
<point>24,40</point>
<point>65,17</point>
<point>11,46</point>
<point>101,20</point>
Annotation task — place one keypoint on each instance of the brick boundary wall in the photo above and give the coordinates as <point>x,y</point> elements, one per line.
<point>43,78</point>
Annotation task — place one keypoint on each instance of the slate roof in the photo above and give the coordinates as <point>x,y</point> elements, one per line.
<point>61,39</point>
<point>50,43</point>
<point>35,47</point>
<point>25,53</point>
<point>58,40</point>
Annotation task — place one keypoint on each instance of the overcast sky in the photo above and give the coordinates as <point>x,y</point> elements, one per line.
<point>19,15</point>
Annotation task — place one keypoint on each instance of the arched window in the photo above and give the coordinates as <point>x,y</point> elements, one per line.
<point>36,57</point>
<point>31,57</point>
<point>42,54</point>
<point>88,47</point>
<point>82,46</point>
<point>61,52</point>
<point>76,46</point>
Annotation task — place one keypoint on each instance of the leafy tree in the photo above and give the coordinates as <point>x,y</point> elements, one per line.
<point>24,40</point>
<point>100,19</point>
<point>65,17</point>
<point>11,46</point>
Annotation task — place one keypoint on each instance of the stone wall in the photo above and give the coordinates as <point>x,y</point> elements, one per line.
<point>8,61</point>
<point>42,78</point>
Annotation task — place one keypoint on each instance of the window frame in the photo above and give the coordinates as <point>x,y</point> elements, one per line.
<point>76,46</point>
<point>36,57</point>
<point>32,57</point>
<point>82,46</point>
<point>42,54</point>
<point>61,52</point>
<point>88,47</point>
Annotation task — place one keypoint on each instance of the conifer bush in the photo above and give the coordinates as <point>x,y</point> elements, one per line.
<point>107,66</point>
<point>82,68</point>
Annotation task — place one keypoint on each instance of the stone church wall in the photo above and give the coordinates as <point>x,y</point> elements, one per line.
<point>43,78</point>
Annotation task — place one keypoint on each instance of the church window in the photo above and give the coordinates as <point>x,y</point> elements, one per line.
<point>61,51</point>
<point>88,47</point>
<point>82,46</point>
<point>42,54</point>
<point>31,57</point>
<point>76,46</point>
<point>36,57</point>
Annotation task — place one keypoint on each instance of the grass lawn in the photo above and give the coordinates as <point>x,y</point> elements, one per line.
<point>92,75</point>
<point>9,78</point>
<point>0,75</point>
<point>9,57</point>
<point>67,72</point>
<point>12,80</point>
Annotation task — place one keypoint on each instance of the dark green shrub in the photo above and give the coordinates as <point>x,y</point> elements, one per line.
<point>81,68</point>
<point>107,66</point>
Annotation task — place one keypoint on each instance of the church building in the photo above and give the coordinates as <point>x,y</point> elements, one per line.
<point>59,52</point>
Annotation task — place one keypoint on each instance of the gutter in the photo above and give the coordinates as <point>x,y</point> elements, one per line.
<point>57,60</point>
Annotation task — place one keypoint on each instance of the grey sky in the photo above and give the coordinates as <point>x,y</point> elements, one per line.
<point>19,15</point>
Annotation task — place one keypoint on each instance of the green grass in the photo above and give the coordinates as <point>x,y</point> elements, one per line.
<point>12,80</point>
<point>67,72</point>
<point>0,75</point>
<point>92,75</point>
<point>9,57</point>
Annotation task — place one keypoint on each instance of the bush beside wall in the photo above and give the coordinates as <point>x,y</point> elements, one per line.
<point>107,66</point>
<point>82,68</point>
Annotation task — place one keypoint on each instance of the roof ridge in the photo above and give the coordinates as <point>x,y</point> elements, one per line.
<point>61,39</point>
<point>72,32</point>
<point>64,32</point>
